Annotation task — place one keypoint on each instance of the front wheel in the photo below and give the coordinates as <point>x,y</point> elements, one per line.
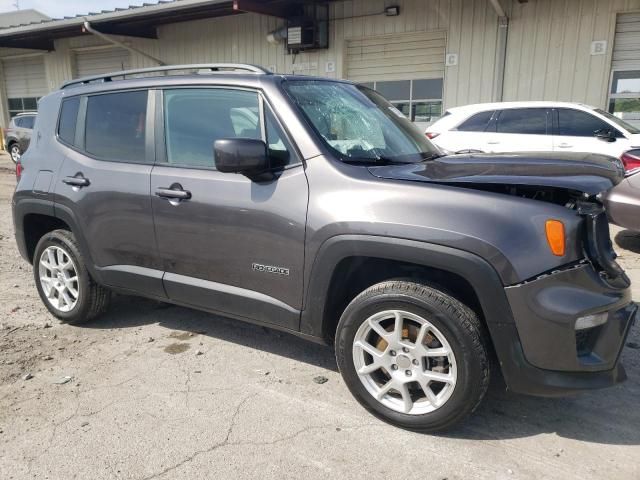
<point>413,355</point>
<point>63,281</point>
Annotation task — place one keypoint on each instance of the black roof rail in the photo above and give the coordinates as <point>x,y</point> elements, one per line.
<point>212,67</point>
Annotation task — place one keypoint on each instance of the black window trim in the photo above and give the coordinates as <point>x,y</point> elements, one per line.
<point>161,143</point>
<point>79,141</point>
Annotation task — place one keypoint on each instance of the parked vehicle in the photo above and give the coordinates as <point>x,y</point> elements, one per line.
<point>623,201</point>
<point>18,135</point>
<point>533,126</point>
<point>328,215</point>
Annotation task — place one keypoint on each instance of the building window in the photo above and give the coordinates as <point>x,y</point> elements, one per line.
<point>419,100</point>
<point>20,105</point>
<point>624,98</point>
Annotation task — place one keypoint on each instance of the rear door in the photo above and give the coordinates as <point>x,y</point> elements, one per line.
<point>103,185</point>
<point>575,131</point>
<point>235,245</point>
<point>520,130</point>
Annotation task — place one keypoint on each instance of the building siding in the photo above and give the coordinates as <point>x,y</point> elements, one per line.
<point>548,51</point>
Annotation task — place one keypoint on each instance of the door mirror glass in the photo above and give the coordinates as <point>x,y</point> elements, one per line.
<point>605,134</point>
<point>241,155</point>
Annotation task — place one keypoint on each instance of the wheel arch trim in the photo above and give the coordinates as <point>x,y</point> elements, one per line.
<point>478,272</point>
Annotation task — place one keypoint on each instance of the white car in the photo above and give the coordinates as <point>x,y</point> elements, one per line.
<point>533,126</point>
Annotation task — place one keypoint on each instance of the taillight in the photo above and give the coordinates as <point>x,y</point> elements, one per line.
<point>631,161</point>
<point>18,171</point>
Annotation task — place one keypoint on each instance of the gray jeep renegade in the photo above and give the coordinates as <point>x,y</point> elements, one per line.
<point>314,206</point>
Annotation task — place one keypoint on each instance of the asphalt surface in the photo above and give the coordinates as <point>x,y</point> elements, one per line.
<point>155,391</point>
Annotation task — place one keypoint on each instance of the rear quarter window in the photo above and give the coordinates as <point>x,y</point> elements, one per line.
<point>476,123</point>
<point>68,120</point>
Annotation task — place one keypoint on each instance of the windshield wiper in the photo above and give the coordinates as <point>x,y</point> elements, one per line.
<point>368,161</point>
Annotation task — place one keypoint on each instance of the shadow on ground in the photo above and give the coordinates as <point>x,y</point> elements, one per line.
<point>608,416</point>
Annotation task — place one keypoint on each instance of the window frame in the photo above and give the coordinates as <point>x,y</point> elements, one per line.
<point>495,119</point>
<point>263,104</point>
<point>79,141</point>
<point>13,112</point>
<point>58,137</point>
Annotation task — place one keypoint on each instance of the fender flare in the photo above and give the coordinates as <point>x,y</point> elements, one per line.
<point>478,272</point>
<point>67,216</point>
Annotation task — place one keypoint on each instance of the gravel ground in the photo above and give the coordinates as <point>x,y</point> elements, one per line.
<point>156,391</point>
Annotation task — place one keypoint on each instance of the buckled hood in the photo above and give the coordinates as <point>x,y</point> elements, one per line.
<point>589,174</point>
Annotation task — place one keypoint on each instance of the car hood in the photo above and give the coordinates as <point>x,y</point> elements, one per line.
<point>586,173</point>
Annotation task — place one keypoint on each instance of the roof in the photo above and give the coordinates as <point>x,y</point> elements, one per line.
<point>21,17</point>
<point>478,107</point>
<point>138,20</point>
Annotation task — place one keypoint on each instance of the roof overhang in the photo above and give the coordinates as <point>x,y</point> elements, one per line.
<point>142,21</point>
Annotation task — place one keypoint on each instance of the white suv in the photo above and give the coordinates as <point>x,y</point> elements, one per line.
<point>533,126</point>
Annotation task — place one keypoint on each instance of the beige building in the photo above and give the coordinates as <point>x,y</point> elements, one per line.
<point>425,55</point>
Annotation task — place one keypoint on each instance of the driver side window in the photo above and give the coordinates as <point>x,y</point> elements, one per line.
<point>196,118</point>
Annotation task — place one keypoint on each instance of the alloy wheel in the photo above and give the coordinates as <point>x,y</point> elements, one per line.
<point>404,362</point>
<point>15,153</point>
<point>59,278</point>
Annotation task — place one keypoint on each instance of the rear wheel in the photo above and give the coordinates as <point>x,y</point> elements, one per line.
<point>63,281</point>
<point>15,152</point>
<point>413,355</point>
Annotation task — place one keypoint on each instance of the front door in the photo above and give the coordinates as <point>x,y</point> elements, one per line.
<point>230,244</point>
<point>575,131</point>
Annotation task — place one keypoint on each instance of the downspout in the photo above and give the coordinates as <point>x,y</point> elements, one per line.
<point>501,51</point>
<point>113,41</point>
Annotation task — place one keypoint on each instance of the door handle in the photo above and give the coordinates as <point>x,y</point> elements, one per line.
<point>493,142</point>
<point>174,192</point>
<point>564,145</point>
<point>77,181</point>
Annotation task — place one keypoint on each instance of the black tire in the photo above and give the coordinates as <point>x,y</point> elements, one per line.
<point>456,322</point>
<point>93,299</point>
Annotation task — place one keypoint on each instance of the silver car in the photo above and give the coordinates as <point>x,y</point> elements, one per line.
<point>623,201</point>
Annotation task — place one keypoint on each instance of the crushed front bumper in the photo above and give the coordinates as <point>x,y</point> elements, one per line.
<point>547,355</point>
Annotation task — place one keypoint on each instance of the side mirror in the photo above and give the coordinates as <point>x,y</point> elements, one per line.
<point>241,155</point>
<point>606,135</point>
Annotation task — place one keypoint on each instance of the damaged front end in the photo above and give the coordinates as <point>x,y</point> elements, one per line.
<point>573,180</point>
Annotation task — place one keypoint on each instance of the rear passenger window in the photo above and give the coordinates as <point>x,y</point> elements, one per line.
<point>574,123</point>
<point>115,126</point>
<point>528,121</point>
<point>68,118</point>
<point>477,123</point>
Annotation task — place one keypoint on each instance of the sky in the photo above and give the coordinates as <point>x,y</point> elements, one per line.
<point>62,8</point>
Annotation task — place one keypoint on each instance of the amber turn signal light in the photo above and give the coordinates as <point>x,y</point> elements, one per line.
<point>556,237</point>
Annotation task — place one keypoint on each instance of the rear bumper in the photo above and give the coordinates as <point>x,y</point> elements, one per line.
<point>542,353</point>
